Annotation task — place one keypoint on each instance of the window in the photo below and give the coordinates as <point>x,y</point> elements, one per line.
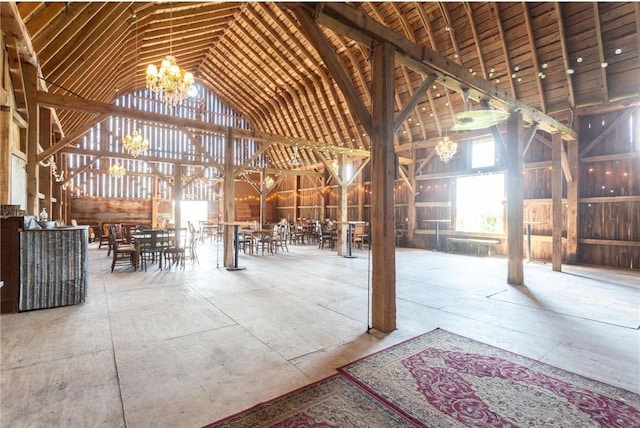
<point>483,154</point>
<point>479,203</point>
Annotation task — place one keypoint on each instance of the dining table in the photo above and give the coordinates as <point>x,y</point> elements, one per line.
<point>152,241</point>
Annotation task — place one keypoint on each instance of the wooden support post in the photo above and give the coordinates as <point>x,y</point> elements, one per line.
<point>556,198</point>
<point>177,195</point>
<point>383,280</point>
<point>33,177</point>
<point>263,197</point>
<point>411,207</point>
<point>323,201</point>
<point>45,183</point>
<point>515,200</point>
<point>6,144</point>
<point>229,215</point>
<point>360,182</point>
<point>572,202</point>
<point>155,200</point>
<point>296,198</point>
<point>343,206</point>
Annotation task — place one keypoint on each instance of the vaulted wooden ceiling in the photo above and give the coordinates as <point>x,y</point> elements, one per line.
<point>550,56</point>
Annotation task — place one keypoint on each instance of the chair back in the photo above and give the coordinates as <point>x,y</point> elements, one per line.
<point>111,232</point>
<point>179,237</point>
<point>155,240</point>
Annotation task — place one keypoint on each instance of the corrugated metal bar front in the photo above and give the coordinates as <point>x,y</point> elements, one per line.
<point>53,267</point>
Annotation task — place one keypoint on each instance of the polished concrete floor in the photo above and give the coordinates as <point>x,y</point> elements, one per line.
<point>185,348</point>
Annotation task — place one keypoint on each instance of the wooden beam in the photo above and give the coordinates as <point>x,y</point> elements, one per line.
<point>329,168</point>
<point>403,176</point>
<point>529,137</point>
<point>573,214</point>
<point>402,115</point>
<point>565,55</point>
<point>349,21</point>
<point>476,38</point>
<point>515,198</point>
<point>606,132</point>
<point>343,208</point>
<point>534,54</point>
<point>71,138</point>
<point>229,215</point>
<point>556,197</point>
<point>33,187</point>
<point>505,49</point>
<point>604,85</point>
<point>315,36</point>
<point>78,104</point>
<point>383,162</point>
<point>501,144</point>
<point>15,69</point>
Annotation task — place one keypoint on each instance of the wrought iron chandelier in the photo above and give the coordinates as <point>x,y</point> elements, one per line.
<point>446,149</point>
<point>116,170</point>
<point>135,144</point>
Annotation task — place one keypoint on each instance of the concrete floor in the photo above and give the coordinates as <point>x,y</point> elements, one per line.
<point>185,348</point>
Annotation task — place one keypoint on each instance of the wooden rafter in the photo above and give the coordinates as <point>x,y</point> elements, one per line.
<point>406,29</point>
<point>402,115</point>
<point>565,54</point>
<point>427,25</point>
<point>318,40</point>
<point>607,131</point>
<point>348,20</point>
<point>603,70</point>
<point>15,68</point>
<point>71,138</point>
<point>469,10</point>
<point>319,80</point>
<point>503,38</point>
<point>534,55</point>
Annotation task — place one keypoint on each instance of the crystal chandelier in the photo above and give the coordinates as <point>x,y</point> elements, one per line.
<point>446,149</point>
<point>135,144</point>
<point>171,83</point>
<point>116,170</point>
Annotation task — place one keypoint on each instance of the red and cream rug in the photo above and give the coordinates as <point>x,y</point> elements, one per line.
<point>440,379</point>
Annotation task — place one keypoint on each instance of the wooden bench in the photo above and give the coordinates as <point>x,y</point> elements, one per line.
<point>455,242</point>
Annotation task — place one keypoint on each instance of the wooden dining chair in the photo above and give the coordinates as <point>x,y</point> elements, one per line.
<point>359,236</point>
<point>122,253</point>
<point>193,242</point>
<point>175,251</point>
<point>280,238</point>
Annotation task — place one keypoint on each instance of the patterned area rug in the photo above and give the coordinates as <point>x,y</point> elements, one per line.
<point>440,379</point>
<point>332,402</point>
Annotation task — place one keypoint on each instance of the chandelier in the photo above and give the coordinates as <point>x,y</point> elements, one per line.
<point>135,144</point>
<point>116,170</point>
<point>269,182</point>
<point>446,149</point>
<point>171,83</point>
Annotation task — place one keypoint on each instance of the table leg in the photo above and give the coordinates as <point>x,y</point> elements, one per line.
<point>235,250</point>
<point>349,255</point>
